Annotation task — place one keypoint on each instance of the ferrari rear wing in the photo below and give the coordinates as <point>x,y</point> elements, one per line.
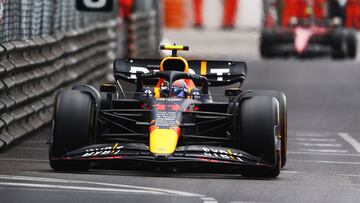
<point>218,73</point>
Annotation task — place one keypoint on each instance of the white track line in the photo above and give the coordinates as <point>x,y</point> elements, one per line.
<point>316,139</point>
<point>351,141</point>
<point>310,135</point>
<point>30,160</point>
<point>292,172</point>
<point>40,179</point>
<point>36,179</point>
<point>350,175</point>
<point>326,162</point>
<point>208,200</point>
<point>311,132</point>
<point>66,187</point>
<point>54,180</point>
<point>324,150</point>
<point>322,153</point>
<point>319,144</point>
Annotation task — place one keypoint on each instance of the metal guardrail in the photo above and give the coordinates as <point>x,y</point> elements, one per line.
<point>33,70</point>
<point>143,35</point>
<point>46,46</point>
<point>24,19</point>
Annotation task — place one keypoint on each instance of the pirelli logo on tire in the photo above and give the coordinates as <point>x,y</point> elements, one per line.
<point>95,5</point>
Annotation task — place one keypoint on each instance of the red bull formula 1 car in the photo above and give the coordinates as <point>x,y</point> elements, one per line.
<point>171,120</point>
<point>309,37</point>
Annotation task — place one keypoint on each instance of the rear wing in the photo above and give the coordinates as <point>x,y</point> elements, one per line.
<point>218,73</point>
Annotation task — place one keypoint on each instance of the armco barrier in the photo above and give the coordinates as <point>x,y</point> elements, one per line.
<point>32,71</point>
<point>143,34</point>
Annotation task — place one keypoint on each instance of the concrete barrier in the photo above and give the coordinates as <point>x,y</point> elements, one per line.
<point>32,71</point>
<point>143,35</point>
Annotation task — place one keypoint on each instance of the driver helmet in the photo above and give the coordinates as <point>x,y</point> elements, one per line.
<point>179,89</point>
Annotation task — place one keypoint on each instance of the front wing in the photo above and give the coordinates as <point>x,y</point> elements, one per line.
<point>185,154</point>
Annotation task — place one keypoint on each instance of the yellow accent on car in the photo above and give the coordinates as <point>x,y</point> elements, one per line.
<point>278,117</point>
<point>156,92</point>
<point>285,114</point>
<point>230,154</point>
<point>163,141</point>
<point>114,147</point>
<point>203,67</point>
<point>174,47</point>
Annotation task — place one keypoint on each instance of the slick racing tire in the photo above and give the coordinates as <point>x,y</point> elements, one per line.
<point>259,134</point>
<point>338,44</point>
<point>267,40</point>
<point>72,129</point>
<point>280,96</point>
<point>351,43</point>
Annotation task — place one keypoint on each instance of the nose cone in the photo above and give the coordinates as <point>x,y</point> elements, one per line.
<point>163,141</point>
<point>302,37</point>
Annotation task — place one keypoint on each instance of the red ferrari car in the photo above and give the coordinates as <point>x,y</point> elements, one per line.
<point>309,37</point>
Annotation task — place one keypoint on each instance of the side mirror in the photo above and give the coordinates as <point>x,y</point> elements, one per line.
<point>108,88</point>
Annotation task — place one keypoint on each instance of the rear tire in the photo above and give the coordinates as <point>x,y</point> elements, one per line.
<point>267,40</point>
<point>259,134</point>
<point>72,129</point>
<point>351,42</point>
<point>338,43</point>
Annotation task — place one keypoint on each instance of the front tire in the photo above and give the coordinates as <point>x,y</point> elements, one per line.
<point>280,96</point>
<point>259,134</point>
<point>72,129</point>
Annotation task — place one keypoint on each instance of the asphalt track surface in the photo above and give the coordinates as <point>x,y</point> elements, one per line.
<point>324,150</point>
